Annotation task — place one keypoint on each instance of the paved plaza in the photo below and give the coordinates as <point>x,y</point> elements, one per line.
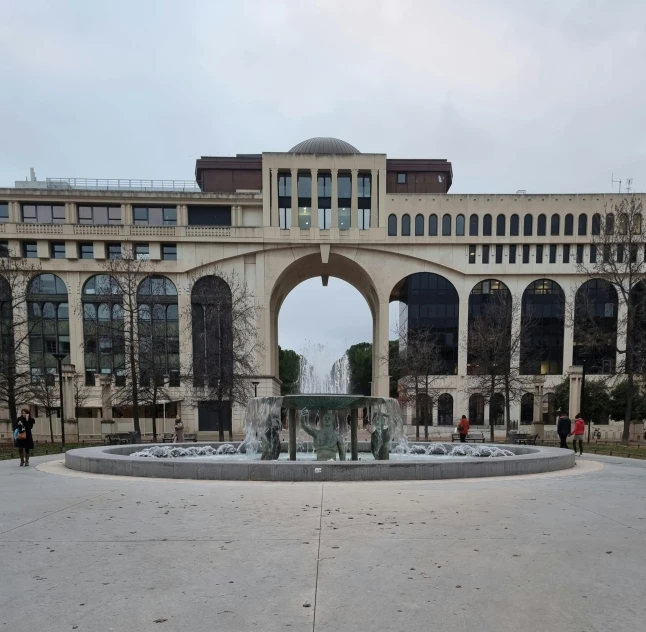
<point>561,552</point>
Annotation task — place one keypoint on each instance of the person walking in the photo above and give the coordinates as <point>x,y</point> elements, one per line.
<point>563,428</point>
<point>23,437</point>
<point>179,431</point>
<point>578,433</point>
<point>463,428</point>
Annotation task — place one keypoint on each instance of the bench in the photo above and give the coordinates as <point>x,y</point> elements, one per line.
<point>472,437</point>
<point>190,436</point>
<point>526,438</point>
<point>168,437</point>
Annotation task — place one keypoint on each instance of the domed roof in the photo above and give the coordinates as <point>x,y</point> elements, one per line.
<point>324,145</point>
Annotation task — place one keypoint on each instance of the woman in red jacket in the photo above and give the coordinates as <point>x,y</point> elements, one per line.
<point>578,432</point>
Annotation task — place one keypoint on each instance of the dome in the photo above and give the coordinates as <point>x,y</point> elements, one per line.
<point>324,145</point>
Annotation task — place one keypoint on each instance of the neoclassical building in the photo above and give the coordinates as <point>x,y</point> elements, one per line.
<point>389,227</point>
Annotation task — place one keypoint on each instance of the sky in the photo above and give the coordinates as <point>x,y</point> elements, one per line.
<point>546,95</point>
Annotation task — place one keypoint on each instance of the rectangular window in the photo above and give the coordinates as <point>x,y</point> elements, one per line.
<point>4,249</point>
<point>344,218</point>
<point>43,213</point>
<point>579,254</point>
<point>142,251</point>
<point>325,218</point>
<point>472,254</point>
<point>30,249</point>
<point>485,254</point>
<point>498,254</point>
<point>525,253</point>
<point>566,253</point>
<point>553,253</point>
<point>304,217</point>
<point>512,253</point>
<point>114,251</point>
<point>155,215</point>
<point>169,252</point>
<point>284,185</point>
<point>213,215</point>
<point>99,215</point>
<point>606,253</point>
<point>539,254</point>
<point>4,212</point>
<point>86,251</point>
<point>593,253</point>
<point>285,217</point>
<point>633,253</point>
<point>363,186</point>
<point>620,253</point>
<point>57,250</point>
<point>364,218</point>
<point>324,186</point>
<point>401,178</point>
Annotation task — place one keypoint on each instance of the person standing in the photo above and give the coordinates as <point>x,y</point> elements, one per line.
<point>463,428</point>
<point>578,433</point>
<point>563,428</point>
<point>24,438</point>
<point>179,431</point>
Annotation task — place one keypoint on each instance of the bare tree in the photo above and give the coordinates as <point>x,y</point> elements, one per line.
<point>82,393</point>
<point>16,325</point>
<point>617,257</point>
<point>223,320</point>
<point>420,364</point>
<point>493,343</point>
<point>45,392</point>
<point>117,291</point>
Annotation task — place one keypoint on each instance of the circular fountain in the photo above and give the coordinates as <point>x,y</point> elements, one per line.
<point>322,445</point>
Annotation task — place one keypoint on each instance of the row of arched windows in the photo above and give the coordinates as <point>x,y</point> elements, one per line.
<point>501,225</point>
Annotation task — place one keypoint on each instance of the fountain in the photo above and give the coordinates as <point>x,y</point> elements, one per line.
<point>319,441</point>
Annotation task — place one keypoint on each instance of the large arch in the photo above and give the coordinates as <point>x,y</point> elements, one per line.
<point>312,265</point>
<point>49,325</point>
<point>595,326</point>
<point>543,319</point>
<point>432,304</point>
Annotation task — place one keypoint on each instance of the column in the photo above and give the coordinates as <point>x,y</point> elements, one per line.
<point>15,216</point>
<point>105,381</point>
<point>335,199</point>
<point>266,201</point>
<point>463,328</point>
<point>70,213</point>
<point>374,205</point>
<point>381,379</point>
<point>354,201</point>
<point>69,373</point>
<point>576,377</point>
<point>275,214</point>
<point>294,198</point>
<point>382,198</point>
<point>182,215</point>
<point>315,199</point>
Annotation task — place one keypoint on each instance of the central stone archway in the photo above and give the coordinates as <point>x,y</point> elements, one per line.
<point>320,262</point>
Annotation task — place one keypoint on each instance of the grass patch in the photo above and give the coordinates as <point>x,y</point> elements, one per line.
<point>8,451</point>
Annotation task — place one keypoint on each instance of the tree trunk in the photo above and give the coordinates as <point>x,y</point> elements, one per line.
<point>133,377</point>
<point>491,426</point>
<point>51,426</point>
<point>416,409</point>
<point>507,406</point>
<point>625,437</point>
<point>154,420</point>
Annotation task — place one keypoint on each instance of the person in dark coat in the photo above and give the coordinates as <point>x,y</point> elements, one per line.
<point>563,428</point>
<point>25,440</point>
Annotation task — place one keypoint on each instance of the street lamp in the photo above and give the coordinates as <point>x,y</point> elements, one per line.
<point>59,360</point>
<point>584,355</point>
<point>255,388</point>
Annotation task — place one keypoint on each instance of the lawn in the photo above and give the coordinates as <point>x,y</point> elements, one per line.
<point>7,451</point>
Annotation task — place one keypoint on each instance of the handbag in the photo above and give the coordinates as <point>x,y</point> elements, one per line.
<point>21,436</point>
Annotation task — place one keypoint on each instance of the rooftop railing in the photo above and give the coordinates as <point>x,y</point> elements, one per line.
<point>119,184</point>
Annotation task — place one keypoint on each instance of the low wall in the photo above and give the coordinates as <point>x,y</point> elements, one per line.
<point>116,460</point>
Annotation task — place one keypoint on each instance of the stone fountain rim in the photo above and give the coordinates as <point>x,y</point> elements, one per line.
<point>117,460</point>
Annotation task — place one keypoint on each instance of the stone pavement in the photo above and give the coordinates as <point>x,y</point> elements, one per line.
<point>558,552</point>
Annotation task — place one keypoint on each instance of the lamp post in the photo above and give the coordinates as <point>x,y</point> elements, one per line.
<point>59,360</point>
<point>584,355</point>
<point>255,388</point>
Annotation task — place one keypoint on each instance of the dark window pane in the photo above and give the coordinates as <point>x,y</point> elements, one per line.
<point>401,178</point>
<point>4,212</point>
<point>169,252</point>
<point>446,225</point>
<point>486,225</point>
<point>344,185</point>
<point>392,225</point>
<point>596,224</point>
<point>432,225</point>
<point>539,254</point>
<point>58,250</point>
<point>30,250</point>
<point>86,251</point>
<point>525,253</point>
<point>512,253</point>
<point>568,227</point>
<point>114,251</point>
<point>553,253</point>
<point>500,225</point>
<point>406,225</point>
<point>514,225</point>
<point>485,254</point>
<point>459,225</point>
<point>472,254</point>
<point>566,253</point>
<point>555,225</point>
<point>541,225</point>
<point>419,225</point>
<point>527,226</point>
<point>579,254</point>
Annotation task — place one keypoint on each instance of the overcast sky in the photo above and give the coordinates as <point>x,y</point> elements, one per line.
<point>546,96</point>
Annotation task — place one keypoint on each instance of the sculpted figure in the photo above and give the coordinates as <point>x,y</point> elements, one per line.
<point>271,441</point>
<point>326,441</point>
<point>380,438</point>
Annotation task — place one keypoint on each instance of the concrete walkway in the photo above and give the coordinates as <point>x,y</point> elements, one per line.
<point>559,552</point>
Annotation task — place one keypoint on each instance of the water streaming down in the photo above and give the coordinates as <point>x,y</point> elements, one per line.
<point>313,379</point>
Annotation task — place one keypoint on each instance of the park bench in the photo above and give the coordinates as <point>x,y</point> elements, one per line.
<point>526,438</point>
<point>190,436</point>
<point>472,437</point>
<point>168,437</point>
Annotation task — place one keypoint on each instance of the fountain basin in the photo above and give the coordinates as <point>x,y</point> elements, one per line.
<point>118,460</point>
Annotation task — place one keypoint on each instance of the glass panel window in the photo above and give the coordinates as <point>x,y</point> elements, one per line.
<point>596,224</point>
<point>99,215</point>
<point>566,253</point>
<point>583,224</point>
<point>459,225</point>
<point>43,213</point>
<point>392,225</point>
<point>553,253</point>
<point>155,215</point>
<point>142,251</point>
<point>363,186</point>
<point>169,252</point>
<point>473,225</point>
<point>325,218</point>
<point>446,225</point>
<point>555,225</point>
<point>593,254</point>
<point>86,251</point>
<point>30,249</point>
<point>514,225</point>
<point>285,217</point>
<point>500,225</point>
<point>527,225</point>
<point>512,253</point>
<point>539,253</point>
<point>472,254</point>
<point>432,225</point>
<point>304,185</point>
<point>406,225</point>
<point>284,185</point>
<point>541,225</point>
<point>324,186</point>
<point>525,253</point>
<point>4,212</point>
<point>485,254</point>
<point>344,184</point>
<point>4,249</point>
<point>568,228</point>
<point>344,218</point>
<point>364,218</point>
<point>498,254</point>
<point>579,254</point>
<point>486,225</point>
<point>304,217</point>
<point>419,225</point>
<point>401,178</point>
<point>57,250</point>
<point>114,251</point>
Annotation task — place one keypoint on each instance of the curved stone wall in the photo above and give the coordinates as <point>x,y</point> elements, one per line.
<point>116,460</point>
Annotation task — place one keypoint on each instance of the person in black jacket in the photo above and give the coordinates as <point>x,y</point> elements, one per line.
<point>25,440</point>
<point>563,428</point>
